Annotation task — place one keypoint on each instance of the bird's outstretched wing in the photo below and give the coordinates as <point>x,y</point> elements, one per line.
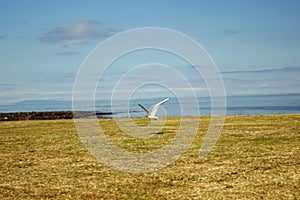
<point>156,106</point>
<point>145,109</point>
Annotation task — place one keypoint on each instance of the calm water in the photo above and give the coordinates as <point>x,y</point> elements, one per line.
<point>236,105</point>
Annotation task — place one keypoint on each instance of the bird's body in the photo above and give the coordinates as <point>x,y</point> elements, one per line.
<point>151,115</point>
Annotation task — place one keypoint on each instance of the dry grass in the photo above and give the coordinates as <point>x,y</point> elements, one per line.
<point>255,157</point>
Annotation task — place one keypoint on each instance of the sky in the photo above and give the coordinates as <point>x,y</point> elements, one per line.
<point>255,44</point>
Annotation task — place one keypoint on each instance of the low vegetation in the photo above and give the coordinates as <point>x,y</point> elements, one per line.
<point>255,157</point>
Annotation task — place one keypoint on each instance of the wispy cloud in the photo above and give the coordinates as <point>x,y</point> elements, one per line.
<point>7,86</point>
<point>266,81</point>
<point>66,53</point>
<point>83,31</point>
<point>284,69</point>
<point>231,31</point>
<point>55,77</point>
<point>65,46</point>
<point>2,37</point>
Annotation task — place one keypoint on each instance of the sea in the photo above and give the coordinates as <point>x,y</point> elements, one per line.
<point>235,105</point>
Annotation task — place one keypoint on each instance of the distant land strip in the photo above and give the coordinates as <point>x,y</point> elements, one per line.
<point>52,115</point>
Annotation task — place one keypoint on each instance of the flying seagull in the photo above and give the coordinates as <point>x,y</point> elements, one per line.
<point>151,115</point>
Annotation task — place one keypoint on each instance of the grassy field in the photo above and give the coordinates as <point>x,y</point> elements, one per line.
<point>256,157</point>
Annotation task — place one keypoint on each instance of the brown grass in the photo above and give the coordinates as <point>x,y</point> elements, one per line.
<point>255,157</point>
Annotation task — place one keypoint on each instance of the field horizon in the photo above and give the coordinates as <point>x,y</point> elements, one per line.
<point>255,157</point>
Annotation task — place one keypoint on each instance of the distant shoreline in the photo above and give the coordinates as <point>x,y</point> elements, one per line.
<point>58,115</point>
<point>50,115</point>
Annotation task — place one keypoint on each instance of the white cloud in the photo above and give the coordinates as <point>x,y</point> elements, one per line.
<point>83,31</point>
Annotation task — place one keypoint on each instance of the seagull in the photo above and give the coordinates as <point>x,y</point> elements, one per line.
<point>154,109</point>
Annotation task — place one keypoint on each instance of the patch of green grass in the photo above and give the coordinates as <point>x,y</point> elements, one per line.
<point>255,157</point>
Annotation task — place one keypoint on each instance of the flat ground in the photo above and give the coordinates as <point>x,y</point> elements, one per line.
<point>256,157</point>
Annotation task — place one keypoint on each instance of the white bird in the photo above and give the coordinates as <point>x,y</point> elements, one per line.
<point>151,115</point>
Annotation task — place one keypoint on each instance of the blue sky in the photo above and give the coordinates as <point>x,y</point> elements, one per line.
<point>255,44</point>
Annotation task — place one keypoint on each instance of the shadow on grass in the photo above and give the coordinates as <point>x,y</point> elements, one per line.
<point>161,132</point>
